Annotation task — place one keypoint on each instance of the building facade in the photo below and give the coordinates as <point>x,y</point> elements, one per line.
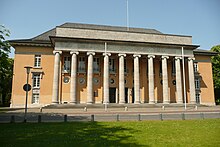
<point>81,63</point>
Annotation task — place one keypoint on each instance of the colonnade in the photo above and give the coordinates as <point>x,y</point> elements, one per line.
<point>136,57</point>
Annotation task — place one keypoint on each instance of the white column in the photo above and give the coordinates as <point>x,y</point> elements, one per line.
<point>106,78</point>
<point>179,90</point>
<point>121,79</point>
<point>55,96</point>
<point>136,79</point>
<point>90,78</point>
<point>166,99</point>
<point>73,77</point>
<point>151,78</point>
<point>191,81</point>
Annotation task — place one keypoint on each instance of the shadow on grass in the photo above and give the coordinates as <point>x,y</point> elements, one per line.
<point>67,134</point>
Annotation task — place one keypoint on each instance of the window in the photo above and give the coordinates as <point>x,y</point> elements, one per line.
<point>173,68</point>
<point>96,64</point>
<point>195,67</point>
<point>125,66</point>
<point>112,65</point>
<point>37,61</point>
<point>197,98</point>
<point>160,69</point>
<point>81,64</point>
<point>66,67</point>
<point>197,84</point>
<point>36,80</point>
<point>35,98</point>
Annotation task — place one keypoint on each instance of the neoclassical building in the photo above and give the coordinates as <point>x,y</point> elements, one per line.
<point>84,63</point>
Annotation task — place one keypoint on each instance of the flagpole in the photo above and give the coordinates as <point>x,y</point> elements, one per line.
<point>127,17</point>
<point>184,79</point>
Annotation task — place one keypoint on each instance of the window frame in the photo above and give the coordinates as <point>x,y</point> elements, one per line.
<point>37,61</point>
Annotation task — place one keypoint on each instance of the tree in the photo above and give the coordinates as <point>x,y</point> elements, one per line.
<point>6,67</point>
<point>216,72</point>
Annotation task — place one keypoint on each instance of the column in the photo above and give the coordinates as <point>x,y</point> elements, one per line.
<point>136,79</point>
<point>55,95</point>
<point>151,78</point>
<point>73,77</point>
<point>90,78</point>
<point>166,99</point>
<point>121,79</point>
<point>106,78</point>
<point>179,90</point>
<point>191,81</point>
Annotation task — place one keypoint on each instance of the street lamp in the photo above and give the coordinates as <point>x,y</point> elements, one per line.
<point>26,88</point>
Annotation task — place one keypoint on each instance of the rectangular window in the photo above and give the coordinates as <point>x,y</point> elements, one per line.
<point>173,68</point>
<point>196,67</point>
<point>125,66</point>
<point>35,98</point>
<point>36,81</point>
<point>81,64</point>
<point>197,84</point>
<point>112,65</point>
<point>66,66</point>
<point>197,98</point>
<point>37,61</point>
<point>96,64</point>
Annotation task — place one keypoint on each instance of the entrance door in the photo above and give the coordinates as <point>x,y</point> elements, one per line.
<point>126,95</point>
<point>112,95</point>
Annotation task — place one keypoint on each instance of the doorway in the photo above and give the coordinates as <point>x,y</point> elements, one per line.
<point>112,94</point>
<point>126,95</point>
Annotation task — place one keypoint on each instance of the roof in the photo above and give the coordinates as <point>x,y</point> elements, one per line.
<point>45,36</point>
<point>204,52</point>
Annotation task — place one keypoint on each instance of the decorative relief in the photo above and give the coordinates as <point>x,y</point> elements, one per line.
<point>82,80</point>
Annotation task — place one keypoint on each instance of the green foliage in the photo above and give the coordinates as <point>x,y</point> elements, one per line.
<point>109,134</point>
<point>6,67</point>
<point>216,66</point>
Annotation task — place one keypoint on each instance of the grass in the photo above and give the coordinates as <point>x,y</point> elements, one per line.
<point>145,133</point>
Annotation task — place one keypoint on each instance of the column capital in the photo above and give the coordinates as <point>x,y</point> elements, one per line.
<point>74,52</point>
<point>191,58</point>
<point>165,57</point>
<point>59,52</point>
<point>151,56</point>
<point>90,53</point>
<point>137,55</point>
<point>122,55</point>
<point>178,58</point>
<point>106,54</point>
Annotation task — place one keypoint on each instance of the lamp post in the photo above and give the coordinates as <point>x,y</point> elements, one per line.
<point>28,68</point>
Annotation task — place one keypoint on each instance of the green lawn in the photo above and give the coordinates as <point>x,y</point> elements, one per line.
<point>145,133</point>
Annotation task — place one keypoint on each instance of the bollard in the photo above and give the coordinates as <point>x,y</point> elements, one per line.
<point>117,117</point>
<point>39,118</point>
<point>183,116</point>
<point>65,118</point>
<point>106,108</point>
<point>196,107</point>
<point>41,109</point>
<point>12,119</point>
<point>139,117</point>
<point>161,116</point>
<point>92,118</point>
<point>85,109</point>
<point>202,115</point>
<point>163,107</point>
<point>126,108</point>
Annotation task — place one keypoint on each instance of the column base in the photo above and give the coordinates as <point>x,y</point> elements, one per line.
<point>138,102</point>
<point>151,102</point>
<point>179,102</point>
<point>122,102</point>
<point>166,102</point>
<point>105,103</point>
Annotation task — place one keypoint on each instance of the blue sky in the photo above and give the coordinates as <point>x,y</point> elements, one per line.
<point>197,18</point>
